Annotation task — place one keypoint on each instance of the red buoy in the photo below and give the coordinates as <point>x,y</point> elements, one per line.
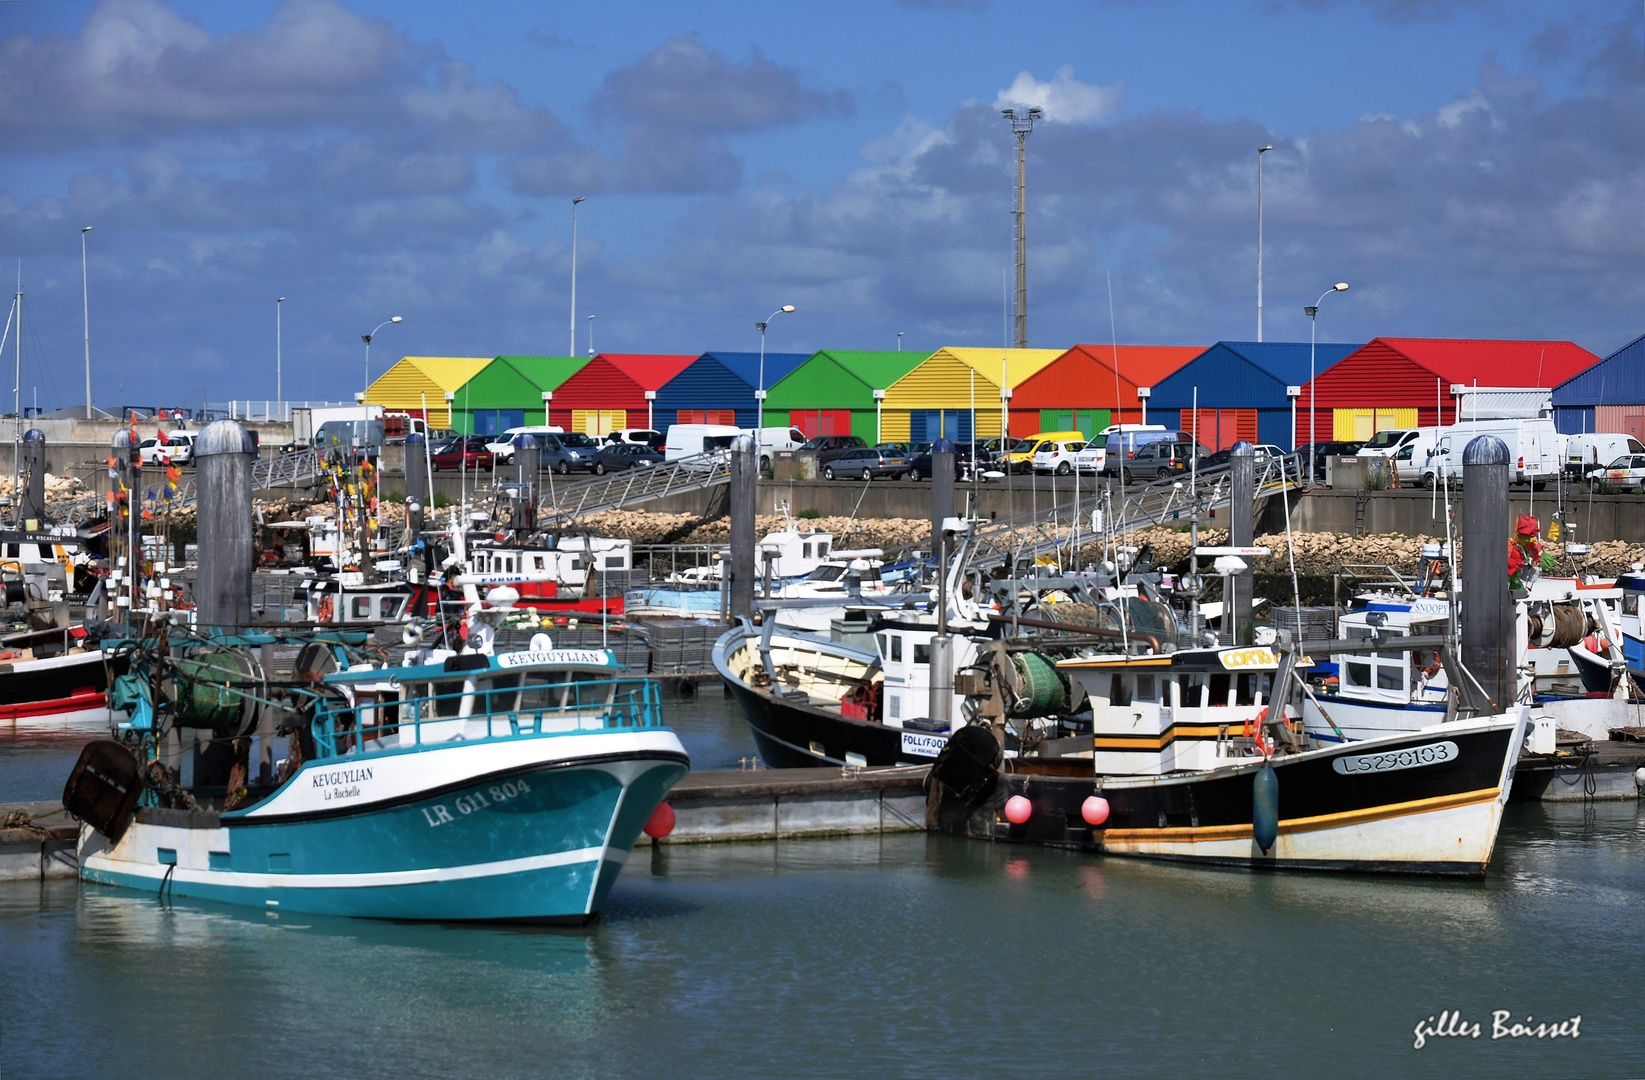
<point>661,822</point>
<point>1094,810</point>
<point>1018,809</point>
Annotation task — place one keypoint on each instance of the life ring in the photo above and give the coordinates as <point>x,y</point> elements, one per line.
<point>1255,732</point>
<point>323,614</point>
<point>1432,668</point>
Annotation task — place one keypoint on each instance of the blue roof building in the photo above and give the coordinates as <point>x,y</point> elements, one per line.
<point>718,388</point>
<point>1609,396</point>
<point>1241,387</point>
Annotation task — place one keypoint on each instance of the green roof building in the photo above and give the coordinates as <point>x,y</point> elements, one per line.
<point>833,392</point>
<point>508,392</point>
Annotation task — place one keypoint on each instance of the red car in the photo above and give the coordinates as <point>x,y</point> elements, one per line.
<point>468,452</point>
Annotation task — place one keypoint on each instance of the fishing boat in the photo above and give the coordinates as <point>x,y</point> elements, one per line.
<point>469,785</point>
<point>56,677</point>
<point>1201,756</point>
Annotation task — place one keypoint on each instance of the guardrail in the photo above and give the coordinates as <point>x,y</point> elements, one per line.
<point>278,470</point>
<point>565,501</point>
<point>1067,521</point>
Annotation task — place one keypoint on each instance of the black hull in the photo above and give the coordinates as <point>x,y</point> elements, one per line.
<point>1208,810</point>
<point>86,673</point>
<point>785,732</point>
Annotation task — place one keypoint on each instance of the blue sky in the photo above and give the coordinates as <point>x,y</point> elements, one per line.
<point>1472,167</point>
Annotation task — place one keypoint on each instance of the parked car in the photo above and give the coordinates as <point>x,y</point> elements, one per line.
<point>1122,442</point>
<point>179,447</point>
<point>865,462</point>
<point>991,453</point>
<point>905,449</point>
<point>502,446</point>
<point>689,440</point>
<point>615,457</point>
<point>1058,457</point>
<point>463,452</point>
<point>1021,457</point>
<point>920,465</point>
<point>1162,460</point>
<point>829,447</point>
<point>633,435</point>
<point>571,452</point>
<point>1626,473</point>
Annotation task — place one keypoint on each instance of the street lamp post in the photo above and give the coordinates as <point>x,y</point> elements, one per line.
<point>591,336</point>
<point>651,410</point>
<point>279,373</point>
<point>899,340</point>
<point>365,399</point>
<point>879,412</point>
<point>1312,311</point>
<point>1143,394</point>
<point>1293,392</point>
<point>1261,150</point>
<point>85,308</point>
<point>571,350</point>
<point>759,395</point>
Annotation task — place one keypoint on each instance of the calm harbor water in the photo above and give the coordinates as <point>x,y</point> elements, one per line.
<point>902,955</point>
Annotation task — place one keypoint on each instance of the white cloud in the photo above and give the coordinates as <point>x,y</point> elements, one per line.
<point>1064,99</point>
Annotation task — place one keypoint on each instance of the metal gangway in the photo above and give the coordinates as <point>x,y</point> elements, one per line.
<point>278,470</point>
<point>563,501</point>
<point>1067,519</point>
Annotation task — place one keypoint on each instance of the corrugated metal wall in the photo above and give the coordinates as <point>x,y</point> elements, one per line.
<point>415,379</point>
<point>940,382</point>
<point>1574,419</point>
<point>1627,419</point>
<point>598,386</point>
<point>1619,379</point>
<point>1375,376</point>
<point>706,384</point>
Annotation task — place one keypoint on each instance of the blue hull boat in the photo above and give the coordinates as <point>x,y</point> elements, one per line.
<point>464,787</point>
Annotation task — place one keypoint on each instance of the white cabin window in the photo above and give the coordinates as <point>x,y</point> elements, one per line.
<point>360,607</point>
<point>822,549</point>
<point>537,561</point>
<point>1145,688</point>
<point>896,648</point>
<point>922,654</point>
<point>613,562</point>
<point>895,702</point>
<point>884,646</point>
<point>805,551</point>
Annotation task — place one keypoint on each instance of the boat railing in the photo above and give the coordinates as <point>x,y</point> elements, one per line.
<point>374,723</point>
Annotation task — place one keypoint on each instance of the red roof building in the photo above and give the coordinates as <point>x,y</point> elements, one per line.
<point>610,392</point>
<point>1085,390</point>
<point>1406,382</point>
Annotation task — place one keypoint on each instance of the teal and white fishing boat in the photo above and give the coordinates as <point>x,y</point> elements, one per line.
<point>456,786</point>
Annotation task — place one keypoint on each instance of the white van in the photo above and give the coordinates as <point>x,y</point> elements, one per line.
<point>1390,441</point>
<point>1534,450</point>
<point>1410,456</point>
<point>502,448</point>
<point>688,440</point>
<point>1590,451</point>
<point>633,435</point>
<point>774,440</point>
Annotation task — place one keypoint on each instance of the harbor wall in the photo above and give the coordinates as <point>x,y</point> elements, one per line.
<point>1411,513</point>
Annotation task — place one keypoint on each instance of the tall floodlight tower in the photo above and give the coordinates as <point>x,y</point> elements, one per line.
<point>1021,124</point>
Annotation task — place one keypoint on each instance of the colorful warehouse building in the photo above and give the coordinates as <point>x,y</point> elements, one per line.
<point>720,388</point>
<point>961,394</point>
<point>1085,389</point>
<point>615,391</point>
<point>508,392</point>
<point>1242,390</point>
<point>423,385</point>
<point>1609,396</point>
<point>1408,382</point>
<point>834,392</point>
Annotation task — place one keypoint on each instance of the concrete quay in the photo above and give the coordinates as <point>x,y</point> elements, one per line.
<point>43,846</point>
<point>772,804</point>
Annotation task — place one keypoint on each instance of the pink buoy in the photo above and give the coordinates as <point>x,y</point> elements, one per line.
<point>1018,809</point>
<point>1094,810</point>
<point>661,822</point>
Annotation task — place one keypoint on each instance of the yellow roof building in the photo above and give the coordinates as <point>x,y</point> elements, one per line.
<point>955,379</point>
<point>414,380</point>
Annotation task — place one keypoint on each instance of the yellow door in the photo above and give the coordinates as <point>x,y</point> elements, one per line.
<point>1358,425</point>
<point>598,421</point>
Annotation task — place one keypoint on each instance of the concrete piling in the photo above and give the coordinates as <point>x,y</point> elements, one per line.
<point>1487,606</point>
<point>416,481</point>
<point>32,504</point>
<point>223,456</point>
<point>527,455</point>
<point>1242,481</point>
<point>741,573</point>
